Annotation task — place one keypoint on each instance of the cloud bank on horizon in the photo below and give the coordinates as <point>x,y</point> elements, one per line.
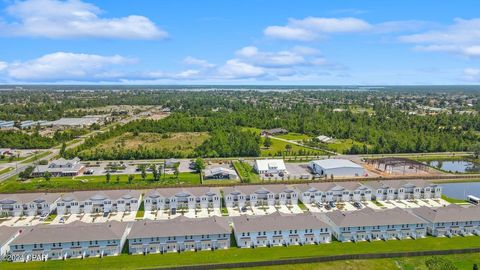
<point>56,41</point>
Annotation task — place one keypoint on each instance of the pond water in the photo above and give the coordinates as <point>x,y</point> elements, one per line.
<point>461,190</point>
<point>461,166</point>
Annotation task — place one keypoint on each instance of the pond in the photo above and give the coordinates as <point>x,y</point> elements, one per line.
<point>460,166</point>
<point>461,190</point>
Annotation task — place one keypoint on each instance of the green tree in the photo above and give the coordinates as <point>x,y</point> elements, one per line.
<point>288,148</point>
<point>476,150</point>
<point>176,172</point>
<point>118,179</point>
<point>47,175</point>
<point>267,142</point>
<point>26,173</point>
<point>107,177</point>
<point>144,172</point>
<point>199,165</point>
<point>154,172</point>
<point>130,178</point>
<point>63,149</point>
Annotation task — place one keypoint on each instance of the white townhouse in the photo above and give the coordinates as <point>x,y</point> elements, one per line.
<point>60,167</point>
<point>101,201</point>
<point>75,240</point>
<point>258,195</point>
<point>182,198</point>
<point>336,167</point>
<point>27,204</point>
<point>279,229</point>
<point>451,220</point>
<point>404,190</point>
<point>270,166</point>
<point>368,224</point>
<point>7,235</point>
<point>333,192</point>
<point>179,234</point>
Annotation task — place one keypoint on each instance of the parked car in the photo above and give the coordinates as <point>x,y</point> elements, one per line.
<point>280,174</point>
<point>244,209</point>
<point>332,204</point>
<point>327,207</point>
<point>88,172</point>
<point>319,205</point>
<point>357,205</point>
<point>105,214</point>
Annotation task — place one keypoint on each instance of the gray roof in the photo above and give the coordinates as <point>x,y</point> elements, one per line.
<point>6,233</point>
<point>277,221</point>
<point>190,191</point>
<point>370,217</point>
<point>395,184</point>
<point>73,232</point>
<point>450,213</point>
<point>101,195</point>
<point>180,226</point>
<point>25,198</point>
<point>251,189</point>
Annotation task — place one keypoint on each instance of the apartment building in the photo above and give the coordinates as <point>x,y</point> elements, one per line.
<point>27,204</point>
<point>280,229</point>
<point>258,195</point>
<point>368,224</point>
<point>182,198</point>
<point>451,220</point>
<point>179,234</point>
<point>75,240</point>
<point>333,192</point>
<point>102,201</point>
<point>404,190</point>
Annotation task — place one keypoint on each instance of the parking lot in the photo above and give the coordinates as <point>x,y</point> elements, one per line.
<point>264,210</point>
<point>190,213</point>
<point>298,171</point>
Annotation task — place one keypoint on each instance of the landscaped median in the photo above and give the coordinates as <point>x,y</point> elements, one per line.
<point>236,255</point>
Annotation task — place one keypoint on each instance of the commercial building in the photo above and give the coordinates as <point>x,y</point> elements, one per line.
<point>60,167</point>
<point>62,123</point>
<point>280,229</point>
<point>270,166</point>
<point>179,234</point>
<point>451,220</point>
<point>27,204</point>
<point>220,173</point>
<point>182,198</point>
<point>336,167</point>
<point>256,195</point>
<point>404,190</point>
<point>103,201</point>
<point>6,124</point>
<point>75,240</point>
<point>368,224</point>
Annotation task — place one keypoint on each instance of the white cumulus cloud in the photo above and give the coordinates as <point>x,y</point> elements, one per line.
<point>471,74</point>
<point>72,19</point>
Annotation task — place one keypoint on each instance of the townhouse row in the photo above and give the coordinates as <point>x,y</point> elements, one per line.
<point>205,197</point>
<point>81,240</point>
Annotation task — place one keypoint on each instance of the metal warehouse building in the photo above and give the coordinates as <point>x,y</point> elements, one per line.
<point>337,167</point>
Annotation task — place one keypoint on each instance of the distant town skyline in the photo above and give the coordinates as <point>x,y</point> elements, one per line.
<point>240,42</point>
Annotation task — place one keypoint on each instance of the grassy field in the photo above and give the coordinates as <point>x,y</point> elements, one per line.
<point>452,200</point>
<point>36,157</point>
<point>279,146</point>
<point>5,170</point>
<point>259,254</point>
<point>245,172</point>
<point>96,182</point>
<point>294,136</point>
<point>342,145</point>
<point>461,261</point>
<point>184,142</point>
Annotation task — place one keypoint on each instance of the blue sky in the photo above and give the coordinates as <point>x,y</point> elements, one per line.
<point>240,42</point>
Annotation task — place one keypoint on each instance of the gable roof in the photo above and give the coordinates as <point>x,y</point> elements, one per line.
<point>370,217</point>
<point>450,213</point>
<point>276,221</point>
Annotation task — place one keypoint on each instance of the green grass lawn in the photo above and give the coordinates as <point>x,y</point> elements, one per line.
<point>36,157</point>
<point>294,136</point>
<point>452,200</point>
<point>280,146</point>
<point>461,261</point>
<point>342,145</point>
<point>258,254</point>
<point>245,172</point>
<point>5,170</point>
<point>96,182</point>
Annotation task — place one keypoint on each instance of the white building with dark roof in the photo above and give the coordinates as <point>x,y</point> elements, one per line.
<point>220,173</point>
<point>75,240</point>
<point>336,167</point>
<point>28,204</point>
<point>280,229</point>
<point>179,234</point>
<point>451,220</point>
<point>404,190</point>
<point>102,201</point>
<point>368,224</point>
<point>182,198</point>
<point>60,167</point>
